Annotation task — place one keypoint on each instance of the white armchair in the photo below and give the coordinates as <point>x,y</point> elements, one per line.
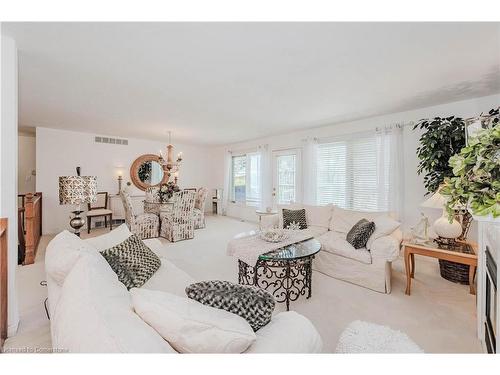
<point>144,225</point>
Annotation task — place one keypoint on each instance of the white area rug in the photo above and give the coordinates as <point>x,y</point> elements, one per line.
<point>364,337</point>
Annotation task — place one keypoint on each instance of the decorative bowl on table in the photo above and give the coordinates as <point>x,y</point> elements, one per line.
<point>273,235</point>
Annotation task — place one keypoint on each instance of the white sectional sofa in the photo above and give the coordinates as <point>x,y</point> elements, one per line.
<point>369,267</point>
<point>92,312</point>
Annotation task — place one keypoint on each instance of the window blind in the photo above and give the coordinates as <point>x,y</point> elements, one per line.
<point>354,173</point>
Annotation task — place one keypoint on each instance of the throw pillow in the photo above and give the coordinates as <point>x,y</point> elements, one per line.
<point>297,217</point>
<point>133,262</point>
<point>191,327</point>
<point>360,233</point>
<point>252,304</point>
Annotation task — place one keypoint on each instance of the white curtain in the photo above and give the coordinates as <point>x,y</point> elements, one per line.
<point>309,170</point>
<point>227,182</point>
<point>390,167</point>
<point>265,177</point>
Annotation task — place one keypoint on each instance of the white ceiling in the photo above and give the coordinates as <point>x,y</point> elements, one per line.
<point>216,83</point>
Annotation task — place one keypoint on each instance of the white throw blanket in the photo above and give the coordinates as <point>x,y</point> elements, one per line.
<point>250,247</point>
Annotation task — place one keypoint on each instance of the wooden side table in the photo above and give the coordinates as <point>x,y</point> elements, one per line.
<point>456,254</point>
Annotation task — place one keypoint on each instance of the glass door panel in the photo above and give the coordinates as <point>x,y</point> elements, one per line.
<point>286,176</point>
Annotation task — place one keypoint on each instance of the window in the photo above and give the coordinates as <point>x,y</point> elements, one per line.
<point>246,174</point>
<point>354,173</point>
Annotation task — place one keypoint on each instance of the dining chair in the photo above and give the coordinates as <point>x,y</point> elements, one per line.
<point>100,209</point>
<point>145,225</point>
<point>199,208</point>
<point>178,224</point>
<point>152,201</point>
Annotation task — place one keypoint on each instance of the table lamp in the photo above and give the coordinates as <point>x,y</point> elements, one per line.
<point>76,190</point>
<point>446,231</point>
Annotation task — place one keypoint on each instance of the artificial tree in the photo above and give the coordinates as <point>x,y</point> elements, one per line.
<point>476,169</point>
<point>443,138</point>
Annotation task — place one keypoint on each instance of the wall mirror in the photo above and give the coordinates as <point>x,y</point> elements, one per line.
<point>146,171</point>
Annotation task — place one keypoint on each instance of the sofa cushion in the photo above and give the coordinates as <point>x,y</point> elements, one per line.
<point>95,315</point>
<point>110,239</point>
<point>360,233</point>
<point>335,243</point>
<point>319,216</point>
<point>315,231</point>
<point>191,327</point>
<point>294,217</point>
<point>169,278</point>
<point>288,332</point>
<point>343,220</point>
<point>253,304</point>
<point>133,261</point>
<point>63,251</point>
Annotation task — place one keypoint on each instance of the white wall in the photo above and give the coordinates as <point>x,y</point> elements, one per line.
<point>414,190</point>
<point>59,152</point>
<point>26,181</point>
<point>8,162</point>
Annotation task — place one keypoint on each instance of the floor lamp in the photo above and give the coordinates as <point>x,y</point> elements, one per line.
<point>76,190</point>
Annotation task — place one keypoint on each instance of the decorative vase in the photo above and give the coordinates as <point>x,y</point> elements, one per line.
<point>445,229</point>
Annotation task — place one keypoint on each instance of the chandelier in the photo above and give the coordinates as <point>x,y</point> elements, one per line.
<point>171,167</point>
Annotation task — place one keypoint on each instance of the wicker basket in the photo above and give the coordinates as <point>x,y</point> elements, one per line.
<point>454,272</point>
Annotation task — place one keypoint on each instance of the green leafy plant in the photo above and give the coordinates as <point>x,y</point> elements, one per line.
<point>476,169</point>
<point>443,137</point>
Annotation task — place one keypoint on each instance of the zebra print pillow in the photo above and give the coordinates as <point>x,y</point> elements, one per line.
<point>296,217</point>
<point>360,233</point>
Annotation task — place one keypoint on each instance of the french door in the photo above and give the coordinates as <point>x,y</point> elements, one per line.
<point>287,176</point>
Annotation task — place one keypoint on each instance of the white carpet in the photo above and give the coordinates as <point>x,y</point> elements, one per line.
<point>439,316</point>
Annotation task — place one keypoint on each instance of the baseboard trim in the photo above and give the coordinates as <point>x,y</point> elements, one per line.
<point>12,328</point>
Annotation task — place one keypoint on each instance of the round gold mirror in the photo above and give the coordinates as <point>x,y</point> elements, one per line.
<point>146,171</point>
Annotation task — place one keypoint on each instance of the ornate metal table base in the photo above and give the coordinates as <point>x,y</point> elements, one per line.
<point>286,280</point>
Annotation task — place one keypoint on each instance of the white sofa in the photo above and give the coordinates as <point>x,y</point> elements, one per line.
<point>369,267</point>
<point>92,312</point>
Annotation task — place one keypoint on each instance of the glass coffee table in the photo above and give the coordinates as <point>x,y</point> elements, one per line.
<point>286,273</point>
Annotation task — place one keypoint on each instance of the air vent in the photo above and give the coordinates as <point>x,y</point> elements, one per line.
<point>113,141</point>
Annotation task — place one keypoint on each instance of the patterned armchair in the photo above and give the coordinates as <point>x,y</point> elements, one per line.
<point>178,224</point>
<point>143,225</point>
<point>199,208</point>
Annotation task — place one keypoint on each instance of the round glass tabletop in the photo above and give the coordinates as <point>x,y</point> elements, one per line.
<point>294,251</point>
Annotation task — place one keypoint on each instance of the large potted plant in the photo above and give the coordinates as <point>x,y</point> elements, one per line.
<point>476,175</point>
<point>443,137</point>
